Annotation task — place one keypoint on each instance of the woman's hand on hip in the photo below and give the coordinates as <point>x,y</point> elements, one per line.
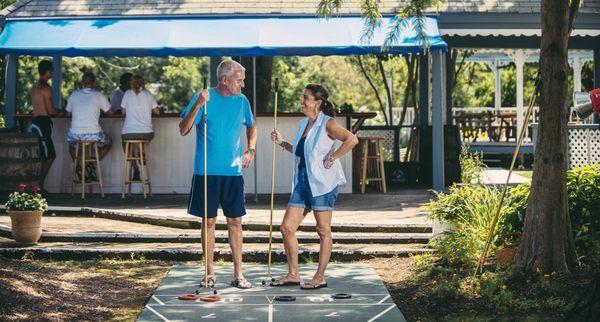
<point>328,163</point>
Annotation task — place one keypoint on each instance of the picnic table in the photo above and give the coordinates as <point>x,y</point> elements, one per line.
<point>496,126</point>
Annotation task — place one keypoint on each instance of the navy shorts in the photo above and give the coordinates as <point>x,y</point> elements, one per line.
<point>42,126</point>
<point>226,191</point>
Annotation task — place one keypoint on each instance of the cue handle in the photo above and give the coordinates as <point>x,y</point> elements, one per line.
<point>205,223</point>
<point>272,180</point>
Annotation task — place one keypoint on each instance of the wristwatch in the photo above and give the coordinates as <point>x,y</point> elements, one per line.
<point>252,150</point>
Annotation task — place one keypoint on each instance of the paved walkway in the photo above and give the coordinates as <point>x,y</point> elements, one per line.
<point>402,207</point>
<point>497,176</point>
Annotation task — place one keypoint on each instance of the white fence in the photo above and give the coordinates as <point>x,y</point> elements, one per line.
<point>583,144</point>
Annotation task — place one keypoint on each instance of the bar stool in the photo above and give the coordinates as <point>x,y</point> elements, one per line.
<point>131,157</point>
<point>89,155</point>
<point>371,159</point>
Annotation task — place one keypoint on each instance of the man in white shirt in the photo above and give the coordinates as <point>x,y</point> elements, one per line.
<point>84,106</point>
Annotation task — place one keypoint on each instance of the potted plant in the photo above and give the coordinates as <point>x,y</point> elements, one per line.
<point>25,209</point>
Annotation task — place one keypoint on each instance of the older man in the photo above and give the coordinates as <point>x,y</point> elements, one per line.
<point>84,106</point>
<point>227,113</point>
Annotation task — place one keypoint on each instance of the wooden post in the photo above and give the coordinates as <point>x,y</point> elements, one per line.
<point>214,63</point>
<point>519,58</point>
<point>497,86</point>
<point>596,78</point>
<point>437,115</point>
<point>423,90</point>
<point>448,89</point>
<point>11,89</point>
<point>57,82</point>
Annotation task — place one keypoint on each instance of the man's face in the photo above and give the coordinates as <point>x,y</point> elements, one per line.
<point>235,83</point>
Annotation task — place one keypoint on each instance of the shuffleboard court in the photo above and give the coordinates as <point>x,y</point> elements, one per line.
<point>370,299</point>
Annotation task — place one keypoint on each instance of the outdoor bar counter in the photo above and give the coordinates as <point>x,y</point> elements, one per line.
<point>172,155</point>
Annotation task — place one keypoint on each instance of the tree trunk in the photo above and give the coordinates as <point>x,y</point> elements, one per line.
<point>264,71</point>
<point>410,63</point>
<point>388,91</point>
<point>370,81</point>
<point>547,241</point>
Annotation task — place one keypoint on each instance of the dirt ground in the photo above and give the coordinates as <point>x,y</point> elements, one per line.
<point>111,290</point>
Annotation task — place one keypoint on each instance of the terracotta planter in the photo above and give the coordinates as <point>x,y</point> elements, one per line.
<point>26,226</point>
<point>506,255</point>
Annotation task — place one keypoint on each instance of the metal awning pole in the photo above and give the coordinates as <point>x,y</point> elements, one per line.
<point>255,118</point>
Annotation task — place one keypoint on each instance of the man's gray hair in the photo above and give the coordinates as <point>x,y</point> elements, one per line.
<point>228,68</point>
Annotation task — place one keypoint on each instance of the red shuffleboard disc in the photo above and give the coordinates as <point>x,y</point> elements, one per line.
<point>210,298</point>
<point>188,297</point>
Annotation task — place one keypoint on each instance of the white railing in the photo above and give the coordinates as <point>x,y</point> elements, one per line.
<point>408,119</point>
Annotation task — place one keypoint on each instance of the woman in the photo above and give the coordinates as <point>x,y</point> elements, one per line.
<point>138,105</point>
<point>317,174</point>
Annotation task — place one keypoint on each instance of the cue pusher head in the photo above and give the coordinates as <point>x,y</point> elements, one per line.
<point>205,83</point>
<point>276,84</point>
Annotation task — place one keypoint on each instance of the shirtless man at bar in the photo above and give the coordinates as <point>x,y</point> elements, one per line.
<point>41,124</point>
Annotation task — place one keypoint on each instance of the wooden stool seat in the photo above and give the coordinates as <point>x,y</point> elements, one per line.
<point>371,158</point>
<point>141,158</point>
<point>89,154</point>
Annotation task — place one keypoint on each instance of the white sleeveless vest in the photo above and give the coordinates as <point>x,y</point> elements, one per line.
<point>318,147</point>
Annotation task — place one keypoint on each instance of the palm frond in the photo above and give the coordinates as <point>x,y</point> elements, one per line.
<point>372,17</point>
<point>327,8</point>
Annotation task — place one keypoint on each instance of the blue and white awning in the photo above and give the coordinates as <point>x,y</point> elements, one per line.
<point>223,36</point>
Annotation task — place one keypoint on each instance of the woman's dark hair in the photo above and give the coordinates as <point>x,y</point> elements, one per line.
<point>321,94</point>
<point>124,82</point>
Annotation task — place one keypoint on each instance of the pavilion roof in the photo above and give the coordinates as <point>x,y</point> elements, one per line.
<point>98,8</point>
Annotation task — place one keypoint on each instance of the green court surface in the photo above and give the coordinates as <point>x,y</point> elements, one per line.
<point>370,299</point>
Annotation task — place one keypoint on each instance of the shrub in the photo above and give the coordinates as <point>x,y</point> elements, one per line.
<point>471,166</point>
<point>470,209</point>
<point>583,188</point>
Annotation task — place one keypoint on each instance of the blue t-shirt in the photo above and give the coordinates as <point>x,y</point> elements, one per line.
<point>226,116</point>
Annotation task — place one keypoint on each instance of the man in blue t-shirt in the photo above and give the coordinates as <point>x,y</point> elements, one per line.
<point>228,111</point>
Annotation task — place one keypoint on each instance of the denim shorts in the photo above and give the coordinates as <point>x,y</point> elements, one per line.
<point>303,198</point>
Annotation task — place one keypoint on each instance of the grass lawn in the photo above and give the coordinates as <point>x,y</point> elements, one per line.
<point>111,290</point>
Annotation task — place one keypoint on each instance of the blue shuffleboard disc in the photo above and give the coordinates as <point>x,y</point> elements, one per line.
<point>341,296</point>
<point>285,298</point>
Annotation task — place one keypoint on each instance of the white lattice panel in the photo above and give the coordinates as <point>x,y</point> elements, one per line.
<point>595,146</point>
<point>388,141</point>
<point>584,146</point>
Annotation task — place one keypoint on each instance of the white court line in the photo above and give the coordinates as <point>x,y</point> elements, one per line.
<point>259,304</point>
<point>271,313</point>
<point>157,300</point>
<point>270,300</point>
<point>291,293</point>
<point>159,315</point>
<point>382,313</point>
<point>383,300</point>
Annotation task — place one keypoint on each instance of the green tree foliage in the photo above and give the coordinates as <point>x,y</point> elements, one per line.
<point>173,79</point>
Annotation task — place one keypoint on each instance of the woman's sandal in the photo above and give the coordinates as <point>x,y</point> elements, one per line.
<point>211,280</point>
<point>277,283</point>
<point>241,283</point>
<point>312,286</point>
